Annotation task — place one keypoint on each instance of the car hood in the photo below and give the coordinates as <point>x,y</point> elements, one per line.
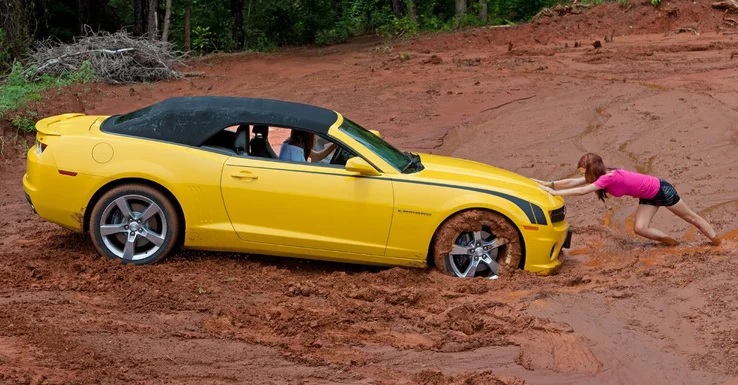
<point>455,171</point>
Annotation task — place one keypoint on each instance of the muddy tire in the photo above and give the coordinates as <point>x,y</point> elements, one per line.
<point>477,243</point>
<point>134,224</point>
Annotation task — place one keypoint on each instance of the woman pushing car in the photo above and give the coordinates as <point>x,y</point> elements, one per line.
<point>652,193</point>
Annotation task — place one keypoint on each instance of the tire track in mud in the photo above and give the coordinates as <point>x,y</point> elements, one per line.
<point>692,232</point>
<point>643,337</point>
<point>600,118</point>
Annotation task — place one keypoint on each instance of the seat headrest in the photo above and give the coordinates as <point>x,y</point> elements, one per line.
<point>242,138</point>
<point>261,130</point>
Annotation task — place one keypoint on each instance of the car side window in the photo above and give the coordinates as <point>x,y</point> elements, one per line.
<point>232,140</point>
<point>299,146</point>
<point>222,142</point>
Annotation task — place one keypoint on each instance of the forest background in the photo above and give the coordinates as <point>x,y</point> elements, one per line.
<point>204,26</point>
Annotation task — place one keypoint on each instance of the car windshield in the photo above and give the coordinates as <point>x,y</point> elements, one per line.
<point>398,159</point>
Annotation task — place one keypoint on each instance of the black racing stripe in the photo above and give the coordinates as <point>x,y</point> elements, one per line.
<point>532,211</point>
<point>540,217</point>
<point>527,207</point>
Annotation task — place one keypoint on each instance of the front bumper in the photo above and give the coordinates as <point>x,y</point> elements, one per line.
<point>543,247</point>
<point>567,241</point>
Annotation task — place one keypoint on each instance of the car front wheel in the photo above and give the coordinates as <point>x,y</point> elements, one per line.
<point>477,243</point>
<point>134,224</point>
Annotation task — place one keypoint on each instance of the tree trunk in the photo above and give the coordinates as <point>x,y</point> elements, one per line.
<point>83,15</point>
<point>460,8</point>
<point>15,18</point>
<point>167,16</point>
<point>411,10</point>
<point>151,27</point>
<point>187,29</point>
<point>483,11</point>
<point>397,9</point>
<point>248,23</point>
<point>237,23</point>
<point>140,16</point>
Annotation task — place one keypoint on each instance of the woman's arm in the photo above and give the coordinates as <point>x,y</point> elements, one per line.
<point>572,191</point>
<point>317,156</point>
<point>562,183</point>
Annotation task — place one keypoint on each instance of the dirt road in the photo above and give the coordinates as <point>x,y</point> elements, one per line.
<point>531,99</point>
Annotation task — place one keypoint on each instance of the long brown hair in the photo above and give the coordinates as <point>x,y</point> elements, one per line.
<point>594,168</point>
<point>302,139</point>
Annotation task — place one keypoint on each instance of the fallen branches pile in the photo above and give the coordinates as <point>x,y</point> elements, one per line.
<point>561,9</point>
<point>114,58</point>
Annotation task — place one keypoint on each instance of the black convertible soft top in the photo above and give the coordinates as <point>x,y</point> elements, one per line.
<point>191,120</point>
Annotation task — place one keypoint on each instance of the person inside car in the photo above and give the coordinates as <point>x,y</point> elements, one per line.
<point>299,148</point>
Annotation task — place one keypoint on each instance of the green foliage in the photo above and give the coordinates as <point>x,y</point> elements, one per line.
<point>17,90</point>
<point>85,74</point>
<point>26,122</point>
<point>259,41</point>
<point>203,39</point>
<point>593,2</point>
<point>20,88</point>
<point>399,27</point>
<point>331,36</point>
<point>267,24</point>
<point>655,3</point>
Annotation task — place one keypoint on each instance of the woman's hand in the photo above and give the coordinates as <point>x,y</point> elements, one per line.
<point>549,183</point>
<point>548,189</point>
<point>571,191</point>
<point>320,155</point>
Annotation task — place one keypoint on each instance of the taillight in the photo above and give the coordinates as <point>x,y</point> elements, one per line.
<point>40,147</point>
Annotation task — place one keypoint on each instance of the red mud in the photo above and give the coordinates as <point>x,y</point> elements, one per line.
<point>622,310</point>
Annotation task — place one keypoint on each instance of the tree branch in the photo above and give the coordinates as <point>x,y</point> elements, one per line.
<point>508,102</point>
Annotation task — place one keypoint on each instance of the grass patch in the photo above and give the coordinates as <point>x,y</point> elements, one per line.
<point>19,88</point>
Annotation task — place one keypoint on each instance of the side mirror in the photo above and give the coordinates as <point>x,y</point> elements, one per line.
<point>359,165</point>
<point>375,132</point>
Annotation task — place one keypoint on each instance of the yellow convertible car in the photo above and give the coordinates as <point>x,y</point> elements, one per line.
<point>201,173</point>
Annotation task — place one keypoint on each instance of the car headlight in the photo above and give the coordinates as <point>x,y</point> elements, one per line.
<point>558,214</point>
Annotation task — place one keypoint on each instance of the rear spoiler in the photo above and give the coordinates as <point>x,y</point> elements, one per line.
<point>44,125</point>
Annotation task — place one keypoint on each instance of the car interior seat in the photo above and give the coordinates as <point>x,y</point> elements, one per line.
<point>260,143</point>
<point>241,144</point>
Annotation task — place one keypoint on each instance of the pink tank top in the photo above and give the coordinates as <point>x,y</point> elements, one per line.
<point>623,182</point>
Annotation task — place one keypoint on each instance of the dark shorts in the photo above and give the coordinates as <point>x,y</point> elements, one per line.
<point>667,196</point>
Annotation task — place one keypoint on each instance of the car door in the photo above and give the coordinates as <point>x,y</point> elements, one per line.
<point>307,205</point>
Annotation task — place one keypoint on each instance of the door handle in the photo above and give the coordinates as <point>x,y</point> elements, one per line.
<point>244,175</point>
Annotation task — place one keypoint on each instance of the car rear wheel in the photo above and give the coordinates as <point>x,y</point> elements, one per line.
<point>134,224</point>
<point>476,243</point>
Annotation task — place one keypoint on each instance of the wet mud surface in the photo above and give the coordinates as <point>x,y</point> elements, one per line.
<point>532,99</point>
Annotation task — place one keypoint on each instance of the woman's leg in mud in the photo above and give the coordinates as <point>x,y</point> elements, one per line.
<point>642,226</point>
<point>683,211</point>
